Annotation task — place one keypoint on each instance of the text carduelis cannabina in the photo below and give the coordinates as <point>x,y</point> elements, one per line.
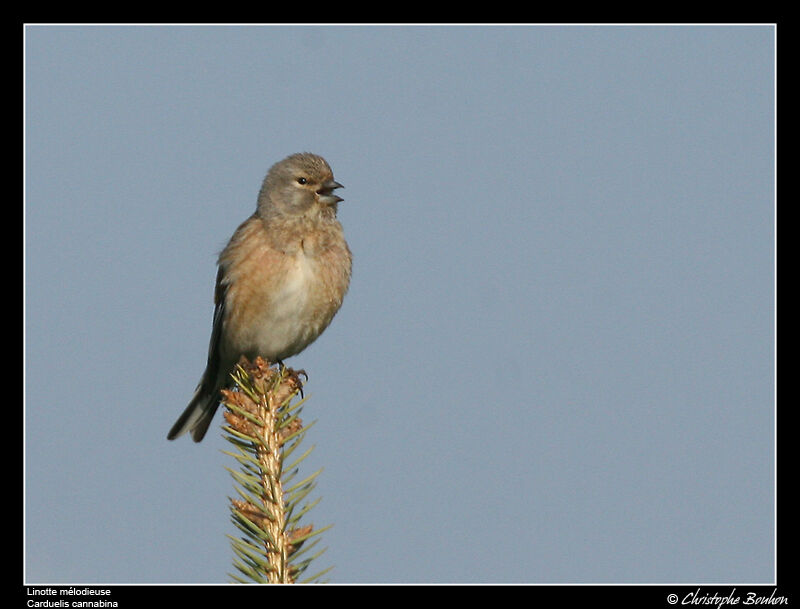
<point>281,279</point>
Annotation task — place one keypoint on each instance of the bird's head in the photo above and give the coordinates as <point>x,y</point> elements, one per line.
<point>298,185</point>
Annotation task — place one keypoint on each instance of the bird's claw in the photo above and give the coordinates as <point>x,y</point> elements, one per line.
<point>293,374</point>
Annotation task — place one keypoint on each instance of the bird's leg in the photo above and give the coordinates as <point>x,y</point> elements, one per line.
<point>294,375</point>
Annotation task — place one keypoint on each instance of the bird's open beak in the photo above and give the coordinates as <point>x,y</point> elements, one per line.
<point>326,196</point>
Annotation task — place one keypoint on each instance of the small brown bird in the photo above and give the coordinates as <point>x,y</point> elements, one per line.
<point>281,279</point>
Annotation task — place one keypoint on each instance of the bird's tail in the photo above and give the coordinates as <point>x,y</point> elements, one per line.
<point>198,414</point>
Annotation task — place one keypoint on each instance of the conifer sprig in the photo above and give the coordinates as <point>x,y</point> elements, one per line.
<point>263,425</point>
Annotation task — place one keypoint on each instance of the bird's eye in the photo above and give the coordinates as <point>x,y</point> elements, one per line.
<point>301,180</point>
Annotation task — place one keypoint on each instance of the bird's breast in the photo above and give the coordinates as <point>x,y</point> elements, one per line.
<point>287,299</point>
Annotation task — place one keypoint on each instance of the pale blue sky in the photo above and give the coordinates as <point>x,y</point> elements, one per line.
<point>556,359</point>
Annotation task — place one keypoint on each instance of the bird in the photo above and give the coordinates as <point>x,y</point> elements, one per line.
<point>280,280</point>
